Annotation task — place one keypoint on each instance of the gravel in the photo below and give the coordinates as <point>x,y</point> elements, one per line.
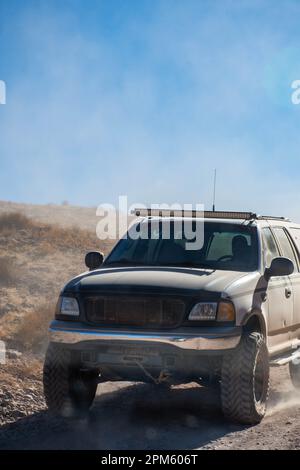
<point>139,416</point>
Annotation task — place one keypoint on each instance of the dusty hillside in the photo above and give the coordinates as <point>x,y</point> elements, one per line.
<point>36,259</point>
<point>63,215</point>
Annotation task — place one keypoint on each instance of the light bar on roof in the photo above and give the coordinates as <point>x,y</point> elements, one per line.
<point>229,215</point>
<point>193,213</point>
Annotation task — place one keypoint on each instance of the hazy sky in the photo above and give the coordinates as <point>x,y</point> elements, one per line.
<point>146,98</point>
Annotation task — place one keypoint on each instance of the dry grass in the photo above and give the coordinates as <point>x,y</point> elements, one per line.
<point>19,229</point>
<point>31,335</point>
<point>54,237</point>
<point>12,221</point>
<point>36,260</point>
<point>7,271</point>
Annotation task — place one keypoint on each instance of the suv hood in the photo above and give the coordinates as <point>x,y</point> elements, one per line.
<point>167,280</point>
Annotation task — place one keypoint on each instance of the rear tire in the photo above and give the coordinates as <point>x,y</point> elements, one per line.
<point>68,390</point>
<point>245,380</point>
<point>294,368</point>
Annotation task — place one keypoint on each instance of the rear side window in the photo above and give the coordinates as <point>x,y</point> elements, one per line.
<point>270,247</point>
<point>285,244</point>
<point>295,233</point>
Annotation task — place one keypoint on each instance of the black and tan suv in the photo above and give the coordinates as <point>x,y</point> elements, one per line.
<point>155,311</point>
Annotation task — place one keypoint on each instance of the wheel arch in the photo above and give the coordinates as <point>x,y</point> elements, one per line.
<point>255,321</point>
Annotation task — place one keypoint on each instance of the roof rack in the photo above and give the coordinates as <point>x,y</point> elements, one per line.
<point>272,217</point>
<point>144,212</point>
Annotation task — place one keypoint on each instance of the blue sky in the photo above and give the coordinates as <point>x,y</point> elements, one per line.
<point>146,98</point>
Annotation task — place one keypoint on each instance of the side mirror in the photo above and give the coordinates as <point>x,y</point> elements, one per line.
<point>280,267</point>
<point>93,260</point>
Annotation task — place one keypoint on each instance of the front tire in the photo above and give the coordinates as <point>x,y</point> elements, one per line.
<point>245,380</point>
<point>68,390</point>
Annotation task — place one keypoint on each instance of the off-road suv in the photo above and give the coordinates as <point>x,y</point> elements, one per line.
<point>155,311</point>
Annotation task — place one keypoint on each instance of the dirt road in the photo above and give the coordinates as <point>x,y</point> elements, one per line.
<point>138,416</point>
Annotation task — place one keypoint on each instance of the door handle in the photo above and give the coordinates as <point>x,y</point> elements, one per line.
<point>288,292</point>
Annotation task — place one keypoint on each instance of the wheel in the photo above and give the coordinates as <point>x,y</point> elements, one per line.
<point>245,380</point>
<point>68,390</point>
<point>294,367</point>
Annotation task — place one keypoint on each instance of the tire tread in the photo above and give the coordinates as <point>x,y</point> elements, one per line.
<point>237,393</point>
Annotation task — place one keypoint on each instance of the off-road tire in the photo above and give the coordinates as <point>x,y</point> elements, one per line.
<point>295,373</point>
<point>245,380</point>
<point>68,390</point>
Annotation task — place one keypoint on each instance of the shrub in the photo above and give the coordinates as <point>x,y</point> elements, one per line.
<point>32,333</point>
<point>14,221</point>
<point>7,271</point>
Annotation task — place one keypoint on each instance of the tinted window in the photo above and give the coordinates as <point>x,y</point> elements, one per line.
<point>226,246</point>
<point>222,244</point>
<point>295,232</point>
<point>285,245</point>
<point>270,247</point>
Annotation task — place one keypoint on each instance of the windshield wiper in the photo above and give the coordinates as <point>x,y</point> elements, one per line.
<point>124,261</point>
<point>128,262</point>
<point>188,264</point>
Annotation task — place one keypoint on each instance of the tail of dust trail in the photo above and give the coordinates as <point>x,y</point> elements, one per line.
<point>285,395</point>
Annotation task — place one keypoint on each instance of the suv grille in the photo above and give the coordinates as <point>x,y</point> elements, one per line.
<point>142,312</point>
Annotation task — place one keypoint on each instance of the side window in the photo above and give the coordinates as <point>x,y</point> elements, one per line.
<point>270,247</point>
<point>295,234</point>
<point>285,244</point>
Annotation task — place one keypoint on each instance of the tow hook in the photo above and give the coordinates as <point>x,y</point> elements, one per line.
<point>163,377</point>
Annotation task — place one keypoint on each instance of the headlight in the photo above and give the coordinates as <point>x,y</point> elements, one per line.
<point>204,311</point>
<point>69,306</point>
<point>224,311</point>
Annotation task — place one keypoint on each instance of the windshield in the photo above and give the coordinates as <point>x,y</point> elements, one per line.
<point>226,246</point>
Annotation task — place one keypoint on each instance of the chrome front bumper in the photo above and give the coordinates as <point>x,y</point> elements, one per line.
<point>194,339</point>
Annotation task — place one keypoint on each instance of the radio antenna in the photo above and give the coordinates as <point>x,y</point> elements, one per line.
<point>214,193</point>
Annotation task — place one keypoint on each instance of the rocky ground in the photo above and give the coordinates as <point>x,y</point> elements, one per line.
<point>139,416</point>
